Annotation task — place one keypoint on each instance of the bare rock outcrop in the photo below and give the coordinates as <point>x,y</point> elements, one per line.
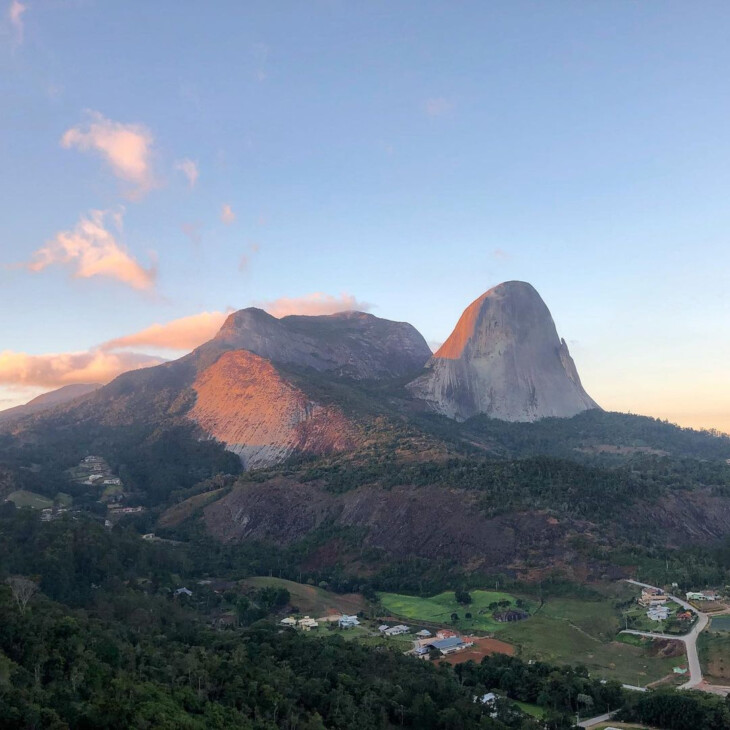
<point>351,344</point>
<point>242,401</point>
<point>504,359</point>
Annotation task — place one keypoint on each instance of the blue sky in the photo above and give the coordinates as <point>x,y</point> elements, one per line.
<point>402,155</point>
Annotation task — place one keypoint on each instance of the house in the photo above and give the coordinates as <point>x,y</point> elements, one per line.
<point>397,630</point>
<point>423,633</point>
<point>695,596</point>
<point>658,613</point>
<point>450,645</point>
<point>487,699</point>
<point>348,622</point>
<point>183,592</point>
<point>307,623</point>
<point>289,621</point>
<point>652,597</point>
<point>383,628</point>
<point>710,595</point>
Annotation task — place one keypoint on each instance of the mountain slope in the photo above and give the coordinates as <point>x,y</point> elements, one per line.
<point>49,400</point>
<point>504,359</point>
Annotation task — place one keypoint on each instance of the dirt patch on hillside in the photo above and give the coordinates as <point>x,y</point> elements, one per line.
<point>481,648</point>
<point>665,648</point>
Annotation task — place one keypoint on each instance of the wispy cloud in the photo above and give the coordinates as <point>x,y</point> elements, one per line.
<point>15,16</point>
<point>227,214</point>
<point>92,249</point>
<point>188,168</point>
<point>185,333</point>
<point>314,304</point>
<point>56,370</point>
<point>127,148</point>
<point>437,106</point>
<point>245,260</point>
<point>193,231</point>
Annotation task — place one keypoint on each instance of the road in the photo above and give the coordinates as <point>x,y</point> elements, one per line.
<point>689,640</point>
<point>596,720</point>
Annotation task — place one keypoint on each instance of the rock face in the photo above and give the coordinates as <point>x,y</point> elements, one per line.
<point>350,344</point>
<point>504,359</point>
<point>242,401</point>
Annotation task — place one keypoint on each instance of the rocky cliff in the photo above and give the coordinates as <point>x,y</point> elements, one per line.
<point>243,401</point>
<point>350,344</point>
<point>504,359</point>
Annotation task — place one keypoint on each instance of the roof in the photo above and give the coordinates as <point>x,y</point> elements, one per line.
<point>424,632</point>
<point>449,643</point>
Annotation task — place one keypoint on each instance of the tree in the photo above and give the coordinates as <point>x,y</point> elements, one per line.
<point>462,596</point>
<point>23,589</point>
<point>454,617</point>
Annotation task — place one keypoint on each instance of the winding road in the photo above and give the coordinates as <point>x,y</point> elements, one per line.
<point>690,639</point>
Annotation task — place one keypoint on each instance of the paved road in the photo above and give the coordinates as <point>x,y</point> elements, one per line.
<point>690,639</point>
<point>596,720</point>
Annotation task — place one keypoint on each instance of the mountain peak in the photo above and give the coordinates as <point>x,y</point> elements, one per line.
<point>504,358</point>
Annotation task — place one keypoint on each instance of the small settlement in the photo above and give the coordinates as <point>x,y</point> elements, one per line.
<point>655,601</point>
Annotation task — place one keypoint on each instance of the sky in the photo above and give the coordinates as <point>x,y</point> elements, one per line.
<point>164,163</point>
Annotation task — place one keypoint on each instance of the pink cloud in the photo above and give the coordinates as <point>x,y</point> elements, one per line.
<point>15,15</point>
<point>189,169</point>
<point>94,251</point>
<point>185,333</point>
<point>314,304</point>
<point>227,214</point>
<point>127,148</point>
<point>56,370</point>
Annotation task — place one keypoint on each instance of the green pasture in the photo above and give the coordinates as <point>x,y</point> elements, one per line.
<point>438,609</point>
<point>23,498</point>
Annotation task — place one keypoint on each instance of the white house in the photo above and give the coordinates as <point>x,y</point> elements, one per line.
<point>396,630</point>
<point>348,622</point>
<point>289,621</point>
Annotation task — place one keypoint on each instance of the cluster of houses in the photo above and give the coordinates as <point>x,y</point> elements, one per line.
<point>655,601</point>
<point>445,642</point>
<point>386,630</point>
<point>702,596</point>
<point>307,623</point>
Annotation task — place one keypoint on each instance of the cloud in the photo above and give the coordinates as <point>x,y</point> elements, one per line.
<point>193,232</point>
<point>227,214</point>
<point>56,370</point>
<point>245,261</point>
<point>185,333</point>
<point>435,345</point>
<point>313,304</point>
<point>94,251</point>
<point>127,148</point>
<point>437,107</point>
<point>498,253</point>
<point>189,169</point>
<point>15,15</point>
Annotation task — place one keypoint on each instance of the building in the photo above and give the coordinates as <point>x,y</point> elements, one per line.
<point>183,592</point>
<point>685,616</point>
<point>396,630</point>
<point>695,596</point>
<point>658,613</point>
<point>289,621</point>
<point>423,633</point>
<point>348,622</point>
<point>383,628</point>
<point>652,597</point>
<point>307,623</point>
<point>450,645</point>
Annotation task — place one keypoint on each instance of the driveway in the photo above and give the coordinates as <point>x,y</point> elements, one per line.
<point>690,639</point>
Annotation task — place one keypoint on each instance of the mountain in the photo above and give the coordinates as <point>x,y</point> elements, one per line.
<point>249,388</point>
<point>49,400</point>
<point>504,359</point>
<point>349,344</point>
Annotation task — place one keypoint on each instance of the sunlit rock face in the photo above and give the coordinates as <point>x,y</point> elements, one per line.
<point>243,401</point>
<point>504,359</point>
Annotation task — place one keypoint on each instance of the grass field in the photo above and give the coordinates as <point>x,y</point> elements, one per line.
<point>23,498</point>
<point>438,609</point>
<point>714,650</point>
<point>720,623</point>
<point>530,709</point>
<point>312,600</point>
